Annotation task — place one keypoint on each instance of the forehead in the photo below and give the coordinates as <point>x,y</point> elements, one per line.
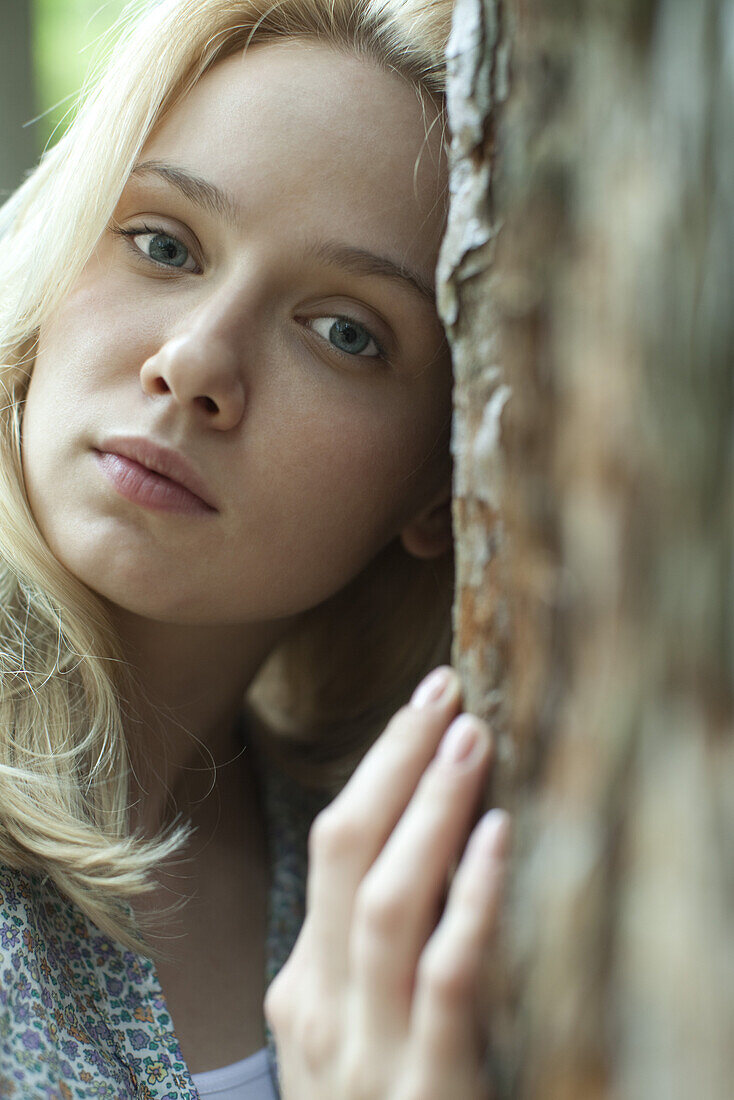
<point>297,131</point>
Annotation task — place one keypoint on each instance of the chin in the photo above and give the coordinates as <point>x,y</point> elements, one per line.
<point>125,581</point>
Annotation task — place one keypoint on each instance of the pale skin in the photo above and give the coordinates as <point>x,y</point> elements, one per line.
<point>316,458</point>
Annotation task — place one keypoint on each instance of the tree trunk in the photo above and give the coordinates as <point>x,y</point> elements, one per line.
<point>585,286</point>
<point>17,102</point>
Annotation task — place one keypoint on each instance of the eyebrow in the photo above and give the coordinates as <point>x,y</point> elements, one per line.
<point>355,261</point>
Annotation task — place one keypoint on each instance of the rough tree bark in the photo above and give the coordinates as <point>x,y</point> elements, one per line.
<point>585,283</point>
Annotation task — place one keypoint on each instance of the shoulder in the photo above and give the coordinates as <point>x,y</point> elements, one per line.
<point>35,922</point>
<point>27,981</point>
<point>50,996</point>
<point>20,897</point>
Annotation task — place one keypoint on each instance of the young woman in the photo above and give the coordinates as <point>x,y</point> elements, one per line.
<point>226,562</point>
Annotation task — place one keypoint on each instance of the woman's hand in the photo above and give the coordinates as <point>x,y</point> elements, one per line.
<point>379,997</point>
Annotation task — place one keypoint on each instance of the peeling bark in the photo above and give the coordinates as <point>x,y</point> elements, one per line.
<point>585,286</point>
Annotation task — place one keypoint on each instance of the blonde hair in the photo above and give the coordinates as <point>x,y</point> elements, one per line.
<point>328,689</point>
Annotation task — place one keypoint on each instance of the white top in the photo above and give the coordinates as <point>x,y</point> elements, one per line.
<point>245,1080</point>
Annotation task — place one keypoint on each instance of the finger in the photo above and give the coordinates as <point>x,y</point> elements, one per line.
<point>395,906</point>
<point>348,835</point>
<point>445,1028</point>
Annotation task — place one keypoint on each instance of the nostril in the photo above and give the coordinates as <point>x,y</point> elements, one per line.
<point>209,404</point>
<point>160,385</point>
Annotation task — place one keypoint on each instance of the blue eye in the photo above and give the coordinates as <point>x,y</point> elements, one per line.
<point>353,338</point>
<point>167,250</point>
<point>163,248</point>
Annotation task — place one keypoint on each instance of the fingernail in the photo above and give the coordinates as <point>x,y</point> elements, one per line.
<point>432,687</point>
<point>459,739</point>
<point>493,833</point>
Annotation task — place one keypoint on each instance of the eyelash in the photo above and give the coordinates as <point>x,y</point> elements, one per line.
<point>136,231</point>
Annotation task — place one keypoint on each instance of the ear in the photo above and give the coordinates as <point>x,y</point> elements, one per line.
<point>429,534</point>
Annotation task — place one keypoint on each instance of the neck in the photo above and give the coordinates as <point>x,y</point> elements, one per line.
<point>181,724</point>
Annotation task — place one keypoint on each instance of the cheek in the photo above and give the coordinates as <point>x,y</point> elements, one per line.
<point>73,349</point>
<point>90,341</point>
<point>357,467</point>
<point>92,335</point>
<point>45,426</point>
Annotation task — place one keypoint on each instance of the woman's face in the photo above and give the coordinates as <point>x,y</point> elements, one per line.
<point>216,332</point>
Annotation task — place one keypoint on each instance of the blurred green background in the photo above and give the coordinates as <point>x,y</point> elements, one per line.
<point>46,49</point>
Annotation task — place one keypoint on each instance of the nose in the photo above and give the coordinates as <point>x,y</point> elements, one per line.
<point>200,370</point>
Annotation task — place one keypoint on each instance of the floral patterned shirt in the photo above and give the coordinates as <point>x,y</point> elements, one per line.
<point>84,1018</point>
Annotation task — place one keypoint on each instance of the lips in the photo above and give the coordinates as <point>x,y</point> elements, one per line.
<point>154,458</point>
